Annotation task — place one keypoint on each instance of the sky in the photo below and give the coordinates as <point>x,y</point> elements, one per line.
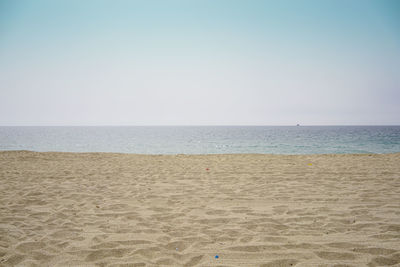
<point>200,62</point>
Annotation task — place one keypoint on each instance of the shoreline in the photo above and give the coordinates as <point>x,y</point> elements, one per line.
<point>182,154</point>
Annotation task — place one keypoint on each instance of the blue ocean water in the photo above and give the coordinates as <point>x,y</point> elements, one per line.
<point>204,139</point>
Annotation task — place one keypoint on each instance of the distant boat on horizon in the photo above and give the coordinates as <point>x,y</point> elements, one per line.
<point>297,124</point>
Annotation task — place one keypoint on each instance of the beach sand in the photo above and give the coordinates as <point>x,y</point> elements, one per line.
<point>104,209</point>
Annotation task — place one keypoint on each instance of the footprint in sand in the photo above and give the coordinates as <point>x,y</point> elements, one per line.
<point>280,263</point>
<point>328,255</point>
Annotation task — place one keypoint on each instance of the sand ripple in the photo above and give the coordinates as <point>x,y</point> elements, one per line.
<point>96,209</point>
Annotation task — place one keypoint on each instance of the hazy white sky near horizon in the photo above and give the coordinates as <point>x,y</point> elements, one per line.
<point>199,62</point>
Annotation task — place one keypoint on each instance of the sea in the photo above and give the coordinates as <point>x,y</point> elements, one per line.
<point>203,139</point>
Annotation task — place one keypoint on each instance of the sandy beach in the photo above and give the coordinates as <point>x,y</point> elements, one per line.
<point>104,209</point>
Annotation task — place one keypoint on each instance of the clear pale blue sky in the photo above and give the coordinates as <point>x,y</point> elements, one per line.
<point>206,62</point>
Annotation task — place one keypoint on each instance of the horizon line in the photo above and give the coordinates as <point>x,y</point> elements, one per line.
<point>195,125</point>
